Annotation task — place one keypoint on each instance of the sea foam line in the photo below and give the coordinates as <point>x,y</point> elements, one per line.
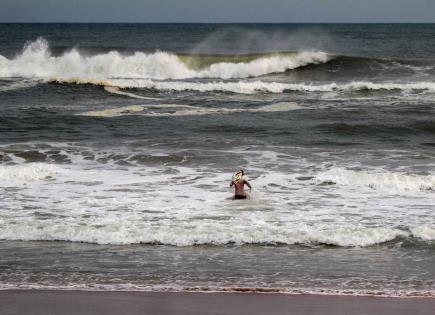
<point>247,87</point>
<point>185,110</point>
<point>130,287</point>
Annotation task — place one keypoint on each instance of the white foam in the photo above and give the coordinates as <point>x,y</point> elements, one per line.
<point>115,90</point>
<point>425,232</point>
<point>242,87</point>
<point>378,179</point>
<point>279,107</point>
<point>112,112</point>
<point>249,87</point>
<point>263,66</point>
<point>142,70</point>
<point>218,288</point>
<point>430,86</point>
<point>36,61</point>
<point>185,201</point>
<point>352,236</point>
<point>148,210</point>
<point>27,172</point>
<point>185,110</point>
<point>110,230</point>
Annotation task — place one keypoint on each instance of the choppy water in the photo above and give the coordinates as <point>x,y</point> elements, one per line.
<point>119,141</point>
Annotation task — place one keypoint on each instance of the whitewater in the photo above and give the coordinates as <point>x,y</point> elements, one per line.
<point>100,218</point>
<point>163,70</point>
<point>36,61</point>
<point>118,144</point>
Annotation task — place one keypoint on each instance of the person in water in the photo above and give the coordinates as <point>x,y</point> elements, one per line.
<point>239,183</point>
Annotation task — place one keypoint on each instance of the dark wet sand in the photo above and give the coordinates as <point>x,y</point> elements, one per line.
<point>82,302</point>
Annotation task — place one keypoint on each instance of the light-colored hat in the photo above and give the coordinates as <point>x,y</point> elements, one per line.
<point>238,176</point>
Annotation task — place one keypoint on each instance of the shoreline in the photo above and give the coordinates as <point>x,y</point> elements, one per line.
<point>217,303</point>
<point>236,290</point>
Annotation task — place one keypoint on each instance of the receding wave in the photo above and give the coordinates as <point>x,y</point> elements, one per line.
<point>36,61</point>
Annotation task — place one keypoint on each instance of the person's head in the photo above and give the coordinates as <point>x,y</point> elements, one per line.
<point>238,175</point>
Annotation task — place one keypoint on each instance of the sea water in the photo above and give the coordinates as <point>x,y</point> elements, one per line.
<point>118,143</point>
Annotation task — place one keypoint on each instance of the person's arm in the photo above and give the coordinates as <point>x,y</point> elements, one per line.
<point>232,184</point>
<point>248,184</point>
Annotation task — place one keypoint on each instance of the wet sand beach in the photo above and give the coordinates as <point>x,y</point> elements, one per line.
<point>162,303</point>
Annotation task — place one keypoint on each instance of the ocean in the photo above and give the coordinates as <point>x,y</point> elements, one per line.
<point>118,143</point>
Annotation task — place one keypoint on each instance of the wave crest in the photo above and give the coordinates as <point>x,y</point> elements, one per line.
<point>110,231</point>
<point>36,61</point>
<point>424,232</point>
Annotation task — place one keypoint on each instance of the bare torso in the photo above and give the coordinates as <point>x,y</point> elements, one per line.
<point>239,187</point>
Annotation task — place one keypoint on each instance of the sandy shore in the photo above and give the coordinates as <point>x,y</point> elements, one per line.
<point>82,302</point>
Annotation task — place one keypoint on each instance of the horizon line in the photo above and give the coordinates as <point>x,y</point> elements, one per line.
<point>118,22</point>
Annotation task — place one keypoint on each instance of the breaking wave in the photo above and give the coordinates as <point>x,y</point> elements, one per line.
<point>143,70</point>
<point>113,231</point>
<point>378,180</point>
<point>424,232</point>
<point>36,61</point>
<point>249,87</point>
